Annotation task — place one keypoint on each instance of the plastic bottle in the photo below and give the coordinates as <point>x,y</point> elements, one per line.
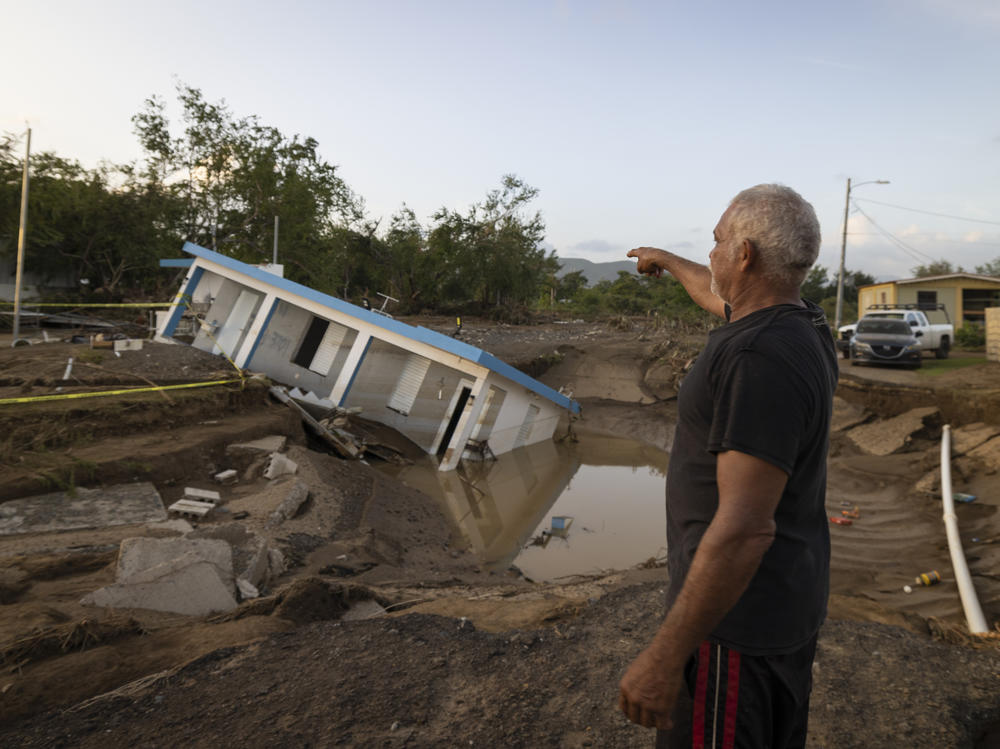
<point>928,578</point>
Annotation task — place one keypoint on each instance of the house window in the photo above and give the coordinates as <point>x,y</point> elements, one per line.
<point>926,297</point>
<point>320,346</point>
<point>408,384</point>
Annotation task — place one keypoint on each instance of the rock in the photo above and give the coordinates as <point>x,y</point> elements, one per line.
<point>275,562</point>
<point>279,465</point>
<point>272,444</point>
<point>290,505</point>
<point>892,435</point>
<point>247,589</point>
<point>177,524</point>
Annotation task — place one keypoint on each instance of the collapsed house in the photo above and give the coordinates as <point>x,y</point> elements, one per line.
<point>443,394</point>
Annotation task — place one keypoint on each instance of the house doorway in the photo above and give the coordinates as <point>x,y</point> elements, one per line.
<point>456,416</point>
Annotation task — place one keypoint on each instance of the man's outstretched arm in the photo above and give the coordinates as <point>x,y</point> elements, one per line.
<point>694,277</point>
<point>727,559</point>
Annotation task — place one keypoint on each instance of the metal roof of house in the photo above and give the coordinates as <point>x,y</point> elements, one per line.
<point>973,276</point>
<point>416,333</point>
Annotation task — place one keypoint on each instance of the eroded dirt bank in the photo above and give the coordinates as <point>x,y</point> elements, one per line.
<point>463,656</point>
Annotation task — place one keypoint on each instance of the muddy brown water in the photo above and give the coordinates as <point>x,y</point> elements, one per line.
<point>556,510</point>
<point>560,510</point>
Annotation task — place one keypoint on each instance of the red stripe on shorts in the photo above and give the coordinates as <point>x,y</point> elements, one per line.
<point>732,699</point>
<point>700,690</point>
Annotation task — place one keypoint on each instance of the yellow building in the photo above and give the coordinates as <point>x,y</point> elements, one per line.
<point>965,296</point>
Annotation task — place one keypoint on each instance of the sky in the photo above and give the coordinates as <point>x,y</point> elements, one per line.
<point>636,121</point>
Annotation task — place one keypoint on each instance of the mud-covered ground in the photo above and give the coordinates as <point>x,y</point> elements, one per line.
<point>463,656</point>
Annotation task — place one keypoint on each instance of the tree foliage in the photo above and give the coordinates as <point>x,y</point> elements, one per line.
<point>935,268</point>
<point>992,268</point>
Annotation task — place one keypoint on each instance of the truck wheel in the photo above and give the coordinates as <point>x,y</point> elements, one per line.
<point>942,351</point>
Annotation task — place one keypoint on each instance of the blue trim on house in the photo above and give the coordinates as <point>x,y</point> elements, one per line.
<point>176,262</point>
<point>175,316</point>
<point>263,330</point>
<point>424,335</point>
<point>354,374</point>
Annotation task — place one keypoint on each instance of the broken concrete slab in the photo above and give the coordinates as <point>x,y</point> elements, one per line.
<point>368,609</point>
<point>194,590</point>
<point>274,443</point>
<point>137,555</point>
<point>279,465</point>
<point>846,415</point>
<point>123,504</point>
<point>892,435</point>
<point>297,495</point>
<point>247,589</point>
<point>971,436</point>
<point>178,525</point>
<point>988,454</point>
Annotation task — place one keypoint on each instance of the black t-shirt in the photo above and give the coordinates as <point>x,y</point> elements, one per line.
<point>763,386</point>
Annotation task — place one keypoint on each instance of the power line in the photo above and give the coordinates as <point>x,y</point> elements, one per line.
<point>911,251</point>
<point>929,213</point>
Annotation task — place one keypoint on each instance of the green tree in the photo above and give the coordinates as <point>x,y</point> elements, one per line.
<point>815,287</point>
<point>935,268</point>
<point>234,175</point>
<point>991,268</point>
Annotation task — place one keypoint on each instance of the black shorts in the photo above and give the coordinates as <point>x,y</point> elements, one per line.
<point>738,701</point>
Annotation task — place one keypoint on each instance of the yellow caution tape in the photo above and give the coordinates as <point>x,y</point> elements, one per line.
<point>98,306</point>
<point>101,393</point>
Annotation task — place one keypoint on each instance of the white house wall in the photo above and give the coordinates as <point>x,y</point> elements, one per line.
<point>225,297</point>
<point>376,380</point>
<point>512,414</point>
<point>280,343</point>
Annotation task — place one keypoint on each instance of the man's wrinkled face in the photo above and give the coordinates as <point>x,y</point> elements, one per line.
<point>722,257</point>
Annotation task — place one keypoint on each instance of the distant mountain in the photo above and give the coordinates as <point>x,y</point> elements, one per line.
<point>595,272</point>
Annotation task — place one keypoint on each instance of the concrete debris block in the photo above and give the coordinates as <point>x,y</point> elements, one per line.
<point>227,477</point>
<point>290,505</point>
<point>989,454</point>
<point>202,495</point>
<point>846,415</point>
<point>275,443</point>
<point>128,344</point>
<point>275,563</point>
<point>190,508</point>
<point>258,565</point>
<point>892,435</point>
<point>194,590</point>
<point>247,589</point>
<point>122,504</point>
<point>279,465</point>
<point>139,555</point>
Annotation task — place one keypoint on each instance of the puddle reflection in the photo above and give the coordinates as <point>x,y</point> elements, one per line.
<point>610,491</point>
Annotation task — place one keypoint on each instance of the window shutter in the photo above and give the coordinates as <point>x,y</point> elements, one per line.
<point>408,385</point>
<point>328,348</point>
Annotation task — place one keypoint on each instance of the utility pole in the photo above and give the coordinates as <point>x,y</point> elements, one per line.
<point>275,260</point>
<point>843,250</point>
<point>21,239</point>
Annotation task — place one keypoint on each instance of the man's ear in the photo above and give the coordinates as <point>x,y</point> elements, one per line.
<point>747,255</point>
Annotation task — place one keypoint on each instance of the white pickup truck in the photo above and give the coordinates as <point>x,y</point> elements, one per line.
<point>933,337</point>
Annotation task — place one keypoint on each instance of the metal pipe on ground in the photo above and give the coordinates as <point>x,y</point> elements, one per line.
<point>970,602</point>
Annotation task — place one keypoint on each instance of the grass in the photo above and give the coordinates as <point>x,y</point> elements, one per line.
<point>932,367</point>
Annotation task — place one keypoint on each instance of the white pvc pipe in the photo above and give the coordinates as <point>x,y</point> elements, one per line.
<point>973,612</point>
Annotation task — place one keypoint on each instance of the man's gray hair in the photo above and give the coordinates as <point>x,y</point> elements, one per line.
<point>782,227</point>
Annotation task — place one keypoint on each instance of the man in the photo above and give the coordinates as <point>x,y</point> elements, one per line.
<point>747,537</point>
